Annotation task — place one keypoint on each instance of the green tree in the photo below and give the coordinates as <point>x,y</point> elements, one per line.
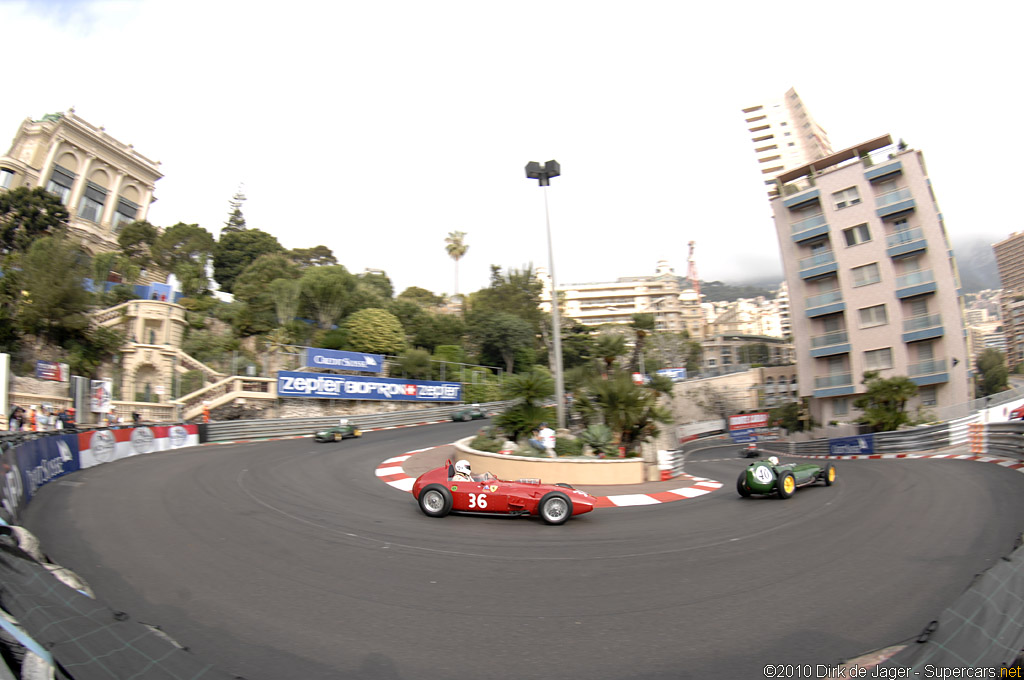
<point>883,405</point>
<point>631,411</point>
<point>516,292</point>
<point>326,292</point>
<point>421,296</point>
<point>499,336</point>
<point>992,372</point>
<point>253,287</point>
<point>236,221</point>
<point>183,243</point>
<point>27,214</point>
<point>287,294</point>
<point>379,282</point>
<point>577,345</point>
<point>317,256</point>
<point>530,388</point>
<point>55,303</point>
<point>609,347</point>
<point>456,248</point>
<point>236,250</point>
<point>415,363</point>
<point>96,345</point>
<point>375,331</point>
<point>642,325</point>
<point>136,241</point>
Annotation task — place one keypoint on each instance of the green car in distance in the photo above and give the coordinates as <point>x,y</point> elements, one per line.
<point>470,412</point>
<point>344,430</point>
<point>770,476</point>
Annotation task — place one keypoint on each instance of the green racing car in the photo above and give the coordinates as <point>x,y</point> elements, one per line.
<point>344,430</point>
<point>770,476</point>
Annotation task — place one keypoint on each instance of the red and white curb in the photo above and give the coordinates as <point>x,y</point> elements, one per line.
<point>391,473</point>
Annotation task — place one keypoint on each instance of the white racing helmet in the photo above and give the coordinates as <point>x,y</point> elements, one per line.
<point>774,460</point>
<point>462,468</point>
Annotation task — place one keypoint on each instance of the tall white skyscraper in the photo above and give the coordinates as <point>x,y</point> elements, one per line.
<point>785,136</point>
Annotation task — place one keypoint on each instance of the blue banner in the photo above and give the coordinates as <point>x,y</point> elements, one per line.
<point>330,386</point>
<point>349,361</point>
<point>41,460</point>
<point>861,445</point>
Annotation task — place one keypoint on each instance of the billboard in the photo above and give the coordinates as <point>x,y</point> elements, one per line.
<point>861,445</point>
<point>328,386</point>
<point>751,427</point>
<point>676,374</point>
<point>51,370</point>
<point>349,361</point>
<point>100,393</point>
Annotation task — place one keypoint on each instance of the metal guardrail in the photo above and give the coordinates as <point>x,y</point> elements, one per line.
<point>230,430</point>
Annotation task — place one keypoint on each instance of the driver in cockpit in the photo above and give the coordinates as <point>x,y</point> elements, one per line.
<point>463,473</point>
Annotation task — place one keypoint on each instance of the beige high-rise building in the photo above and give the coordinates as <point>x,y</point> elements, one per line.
<point>784,135</point>
<point>873,285</point>
<point>104,183</point>
<point>1010,262</point>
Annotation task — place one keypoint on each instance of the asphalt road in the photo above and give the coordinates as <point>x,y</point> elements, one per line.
<point>290,559</point>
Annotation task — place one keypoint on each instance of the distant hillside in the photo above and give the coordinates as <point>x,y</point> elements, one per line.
<point>977,264</point>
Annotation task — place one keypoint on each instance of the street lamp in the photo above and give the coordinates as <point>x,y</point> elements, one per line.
<point>543,172</point>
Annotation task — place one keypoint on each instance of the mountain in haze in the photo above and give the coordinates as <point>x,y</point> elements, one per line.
<point>977,264</point>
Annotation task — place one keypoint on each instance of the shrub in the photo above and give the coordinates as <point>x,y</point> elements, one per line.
<point>568,446</point>
<point>599,438</point>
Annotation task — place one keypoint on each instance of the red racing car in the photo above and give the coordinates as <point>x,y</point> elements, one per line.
<point>440,491</point>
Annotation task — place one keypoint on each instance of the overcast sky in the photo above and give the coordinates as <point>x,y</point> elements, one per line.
<point>375,128</point>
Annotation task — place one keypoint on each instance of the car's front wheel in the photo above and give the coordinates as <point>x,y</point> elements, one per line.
<point>830,474</point>
<point>555,508</point>
<point>786,484</point>
<point>435,501</point>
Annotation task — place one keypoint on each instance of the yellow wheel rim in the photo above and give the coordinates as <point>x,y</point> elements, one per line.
<point>831,474</point>
<point>789,484</point>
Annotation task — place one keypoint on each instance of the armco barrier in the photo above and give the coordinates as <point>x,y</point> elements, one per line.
<point>232,430</point>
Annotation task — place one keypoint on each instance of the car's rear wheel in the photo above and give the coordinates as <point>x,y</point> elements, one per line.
<point>435,501</point>
<point>786,484</point>
<point>830,474</point>
<point>741,485</point>
<point>555,508</point>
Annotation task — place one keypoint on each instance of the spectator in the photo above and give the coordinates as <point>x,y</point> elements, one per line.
<point>534,440</point>
<point>136,418</point>
<point>547,439</point>
<point>15,421</point>
<point>69,417</point>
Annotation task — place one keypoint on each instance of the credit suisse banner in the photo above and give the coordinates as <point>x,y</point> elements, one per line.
<point>328,386</point>
<point>861,445</point>
<point>349,361</point>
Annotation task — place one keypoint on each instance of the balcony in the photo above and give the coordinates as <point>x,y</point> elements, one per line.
<point>830,344</point>
<point>931,372</point>
<point>894,203</point>
<point>906,242</point>
<point>884,171</point>
<point>818,265</point>
<point>833,385</point>
<point>826,303</point>
<point>809,228</point>
<point>915,283</point>
<point>802,199</point>
<point>923,327</point>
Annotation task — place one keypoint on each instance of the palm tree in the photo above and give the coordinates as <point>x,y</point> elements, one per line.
<point>642,324</point>
<point>609,347</point>
<point>456,248</point>
<point>532,388</point>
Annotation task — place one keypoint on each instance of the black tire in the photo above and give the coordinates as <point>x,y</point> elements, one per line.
<point>785,485</point>
<point>829,475</point>
<point>435,501</point>
<point>564,485</point>
<point>741,485</point>
<point>555,508</point>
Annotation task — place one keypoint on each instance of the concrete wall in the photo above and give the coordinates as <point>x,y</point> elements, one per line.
<point>552,470</point>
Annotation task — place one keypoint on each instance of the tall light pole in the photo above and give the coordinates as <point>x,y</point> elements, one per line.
<point>543,172</point>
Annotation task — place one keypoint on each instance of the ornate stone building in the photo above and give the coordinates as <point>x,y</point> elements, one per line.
<point>104,183</point>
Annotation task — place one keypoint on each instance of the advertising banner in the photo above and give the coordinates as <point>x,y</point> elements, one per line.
<point>751,427</point>
<point>100,392</point>
<point>861,445</point>
<point>349,361</point>
<point>676,374</point>
<point>326,386</point>
<point>44,459</point>
<point>51,370</point>
<point>105,446</point>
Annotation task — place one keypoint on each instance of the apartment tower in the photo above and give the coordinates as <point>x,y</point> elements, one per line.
<point>872,281</point>
<point>1010,262</point>
<point>785,136</point>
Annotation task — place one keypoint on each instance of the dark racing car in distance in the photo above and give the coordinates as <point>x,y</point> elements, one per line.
<point>344,430</point>
<point>470,412</point>
<point>439,494</point>
<point>770,476</point>
<point>750,451</point>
